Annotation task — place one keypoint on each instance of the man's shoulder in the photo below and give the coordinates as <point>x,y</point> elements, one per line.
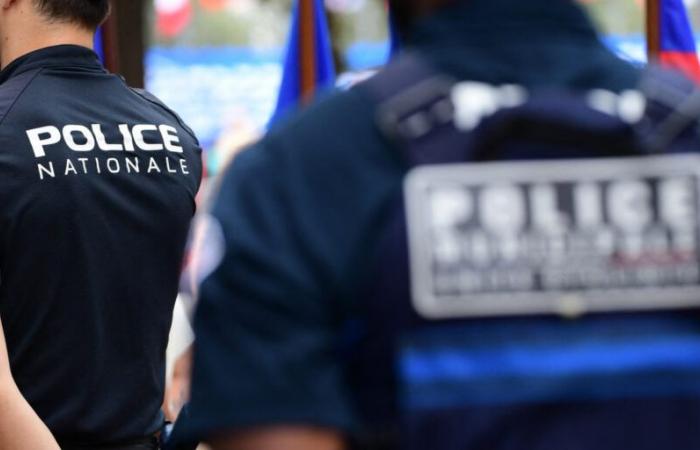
<point>325,132</point>
<point>11,91</point>
<point>340,112</point>
<point>159,105</point>
<point>333,142</point>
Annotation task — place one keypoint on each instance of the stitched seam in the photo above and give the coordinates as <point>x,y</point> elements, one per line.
<point>168,111</point>
<point>21,92</point>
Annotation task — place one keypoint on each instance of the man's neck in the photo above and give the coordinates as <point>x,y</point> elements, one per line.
<point>24,43</point>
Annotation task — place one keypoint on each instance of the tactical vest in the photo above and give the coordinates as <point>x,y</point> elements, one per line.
<point>461,353</point>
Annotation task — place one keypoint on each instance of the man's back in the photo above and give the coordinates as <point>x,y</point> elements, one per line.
<point>98,187</point>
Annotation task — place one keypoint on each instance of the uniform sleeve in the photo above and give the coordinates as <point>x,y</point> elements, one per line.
<point>296,213</point>
<point>20,427</point>
<point>265,325</point>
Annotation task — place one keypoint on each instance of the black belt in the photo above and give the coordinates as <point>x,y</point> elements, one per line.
<point>150,443</point>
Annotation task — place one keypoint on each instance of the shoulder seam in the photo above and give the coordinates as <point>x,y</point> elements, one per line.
<point>167,110</point>
<point>19,95</point>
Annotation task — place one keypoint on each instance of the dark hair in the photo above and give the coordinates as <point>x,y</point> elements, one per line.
<point>88,13</point>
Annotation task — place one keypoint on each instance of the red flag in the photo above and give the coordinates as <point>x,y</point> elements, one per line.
<point>172,16</point>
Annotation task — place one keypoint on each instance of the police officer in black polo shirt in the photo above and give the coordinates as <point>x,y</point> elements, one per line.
<point>97,189</point>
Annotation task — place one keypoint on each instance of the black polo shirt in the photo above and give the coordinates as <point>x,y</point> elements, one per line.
<point>97,189</point>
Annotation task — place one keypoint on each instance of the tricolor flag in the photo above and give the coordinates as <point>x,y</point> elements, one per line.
<point>674,38</point>
<point>308,64</point>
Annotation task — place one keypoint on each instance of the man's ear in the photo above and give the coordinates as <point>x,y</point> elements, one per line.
<point>7,4</point>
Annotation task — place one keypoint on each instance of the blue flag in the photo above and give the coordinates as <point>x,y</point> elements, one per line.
<point>308,64</point>
<point>394,40</point>
<point>99,45</point>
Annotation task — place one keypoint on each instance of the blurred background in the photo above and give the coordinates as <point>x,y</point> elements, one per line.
<point>219,62</point>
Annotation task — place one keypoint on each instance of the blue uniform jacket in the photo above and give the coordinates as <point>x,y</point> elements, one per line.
<point>302,214</point>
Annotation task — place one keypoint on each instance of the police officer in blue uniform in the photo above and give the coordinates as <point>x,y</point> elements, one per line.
<point>98,189</point>
<point>307,334</point>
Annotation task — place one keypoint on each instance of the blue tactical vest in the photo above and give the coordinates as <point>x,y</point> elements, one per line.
<point>535,380</point>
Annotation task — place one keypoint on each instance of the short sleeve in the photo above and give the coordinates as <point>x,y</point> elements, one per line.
<point>296,213</point>
<point>266,333</point>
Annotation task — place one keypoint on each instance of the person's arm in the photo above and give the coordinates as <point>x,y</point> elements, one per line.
<point>291,218</point>
<point>20,427</point>
<point>178,390</point>
<point>267,372</point>
<point>280,438</point>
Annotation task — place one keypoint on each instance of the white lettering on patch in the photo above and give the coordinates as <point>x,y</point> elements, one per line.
<point>85,139</point>
<point>538,237</point>
<point>81,138</point>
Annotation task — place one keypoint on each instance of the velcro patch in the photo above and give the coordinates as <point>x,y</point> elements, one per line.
<point>564,237</point>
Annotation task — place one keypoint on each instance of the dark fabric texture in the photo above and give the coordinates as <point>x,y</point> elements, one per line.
<point>138,444</point>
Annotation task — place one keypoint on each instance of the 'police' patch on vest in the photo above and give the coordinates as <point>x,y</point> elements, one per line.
<point>563,237</point>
